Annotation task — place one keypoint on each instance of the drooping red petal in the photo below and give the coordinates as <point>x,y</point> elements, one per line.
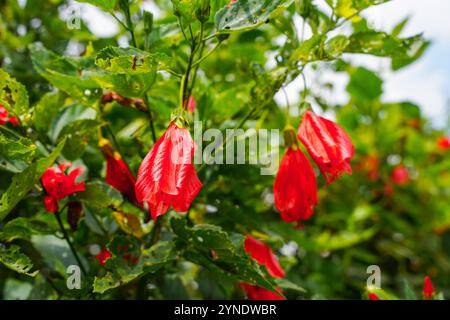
<point>295,188</point>
<point>328,145</point>
<point>51,204</point>
<point>70,185</point>
<point>263,255</point>
<point>167,176</point>
<point>428,288</point>
<point>119,176</point>
<point>258,293</point>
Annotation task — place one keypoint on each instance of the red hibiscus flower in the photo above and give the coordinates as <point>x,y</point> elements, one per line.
<point>428,288</point>
<point>103,256</point>
<point>328,144</point>
<point>295,189</point>
<point>263,255</point>
<point>4,117</point>
<point>443,143</point>
<point>373,296</point>
<point>257,293</point>
<point>118,175</point>
<point>58,185</point>
<point>400,175</point>
<point>167,176</point>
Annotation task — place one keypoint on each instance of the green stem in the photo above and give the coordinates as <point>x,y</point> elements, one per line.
<point>210,36</point>
<point>206,55</point>
<point>288,106</point>
<point>182,31</point>
<point>196,66</point>
<point>130,26</point>
<point>150,117</point>
<point>239,125</point>
<point>156,231</point>
<point>72,248</point>
<point>100,225</point>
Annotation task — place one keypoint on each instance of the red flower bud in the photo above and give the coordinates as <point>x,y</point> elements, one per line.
<point>295,189</point>
<point>192,104</point>
<point>443,143</point>
<point>4,117</point>
<point>167,176</point>
<point>328,145</point>
<point>428,288</point>
<point>118,175</point>
<point>263,255</point>
<point>103,256</point>
<point>74,214</point>
<point>257,293</point>
<point>400,175</point>
<point>58,185</point>
<point>373,296</point>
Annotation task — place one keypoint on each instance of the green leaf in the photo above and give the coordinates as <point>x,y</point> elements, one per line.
<point>99,194</point>
<point>398,28</point>
<point>24,228</point>
<point>409,292</point>
<point>77,134</point>
<point>71,75</point>
<point>350,8</point>
<point>107,5</point>
<point>185,9</point>
<point>416,47</point>
<point>248,14</point>
<point>221,253</point>
<point>288,285</point>
<point>46,109</point>
<point>13,95</point>
<point>17,149</point>
<point>122,271</point>
<point>126,61</point>
<point>16,290</point>
<point>267,84</point>
<point>364,84</point>
<point>310,50</point>
<point>344,239</point>
<point>24,181</point>
<point>130,86</point>
<point>82,78</point>
<point>15,260</point>
<point>402,51</point>
<point>56,252</point>
<point>336,46</point>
